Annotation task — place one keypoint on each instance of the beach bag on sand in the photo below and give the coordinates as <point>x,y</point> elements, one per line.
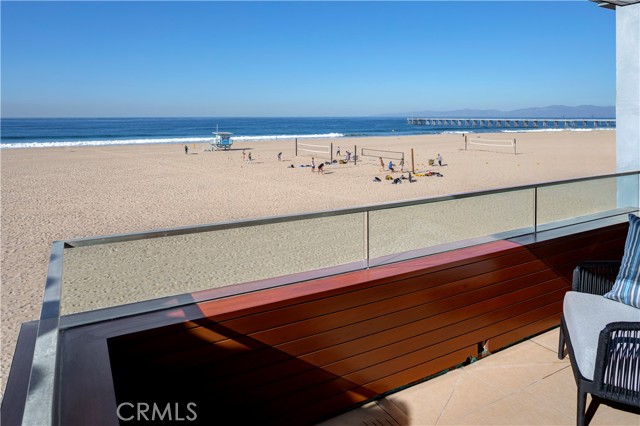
<point>388,177</point>
<point>377,179</point>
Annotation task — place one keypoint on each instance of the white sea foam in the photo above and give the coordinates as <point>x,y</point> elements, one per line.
<point>279,137</point>
<point>161,140</point>
<point>101,143</point>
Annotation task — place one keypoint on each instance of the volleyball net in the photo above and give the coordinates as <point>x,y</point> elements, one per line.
<point>497,145</point>
<point>320,151</point>
<point>391,155</point>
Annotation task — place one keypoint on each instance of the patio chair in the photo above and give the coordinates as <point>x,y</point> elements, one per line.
<point>603,341</point>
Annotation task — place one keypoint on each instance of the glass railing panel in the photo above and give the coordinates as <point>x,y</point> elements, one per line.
<point>107,275</point>
<point>628,192</point>
<point>403,229</point>
<point>579,201</point>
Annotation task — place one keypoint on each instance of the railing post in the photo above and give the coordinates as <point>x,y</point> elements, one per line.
<point>535,210</point>
<point>366,239</point>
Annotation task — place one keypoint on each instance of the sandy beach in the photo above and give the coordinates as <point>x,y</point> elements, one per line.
<point>52,194</point>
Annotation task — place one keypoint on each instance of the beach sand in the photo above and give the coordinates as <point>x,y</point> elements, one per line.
<point>63,193</point>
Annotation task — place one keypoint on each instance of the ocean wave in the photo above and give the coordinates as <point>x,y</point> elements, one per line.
<point>279,137</point>
<point>102,142</point>
<point>159,141</point>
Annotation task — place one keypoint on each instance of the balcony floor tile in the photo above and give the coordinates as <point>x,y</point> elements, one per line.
<point>523,385</point>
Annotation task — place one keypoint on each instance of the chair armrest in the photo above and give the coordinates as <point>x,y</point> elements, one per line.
<point>596,277</point>
<point>617,368</point>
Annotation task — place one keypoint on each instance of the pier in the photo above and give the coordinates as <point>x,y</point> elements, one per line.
<point>517,123</point>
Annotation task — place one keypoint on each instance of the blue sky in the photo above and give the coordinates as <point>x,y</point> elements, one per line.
<point>106,59</point>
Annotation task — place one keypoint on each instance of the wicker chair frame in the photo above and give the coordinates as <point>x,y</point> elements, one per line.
<point>616,378</point>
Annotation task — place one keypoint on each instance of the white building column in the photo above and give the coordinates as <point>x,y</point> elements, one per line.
<point>628,101</point>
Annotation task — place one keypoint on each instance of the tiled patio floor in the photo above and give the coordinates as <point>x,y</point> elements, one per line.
<point>523,385</point>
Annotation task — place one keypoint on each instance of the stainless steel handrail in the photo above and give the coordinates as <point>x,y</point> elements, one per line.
<point>80,242</point>
<point>40,407</point>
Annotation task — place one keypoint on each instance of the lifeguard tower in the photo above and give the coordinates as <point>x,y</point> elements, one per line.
<point>221,141</point>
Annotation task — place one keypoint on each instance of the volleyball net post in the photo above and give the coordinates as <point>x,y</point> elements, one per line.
<point>413,170</point>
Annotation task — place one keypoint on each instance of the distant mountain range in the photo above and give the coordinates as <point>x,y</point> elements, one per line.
<point>553,111</point>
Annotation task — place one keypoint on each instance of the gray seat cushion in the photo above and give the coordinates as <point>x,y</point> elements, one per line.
<point>586,315</point>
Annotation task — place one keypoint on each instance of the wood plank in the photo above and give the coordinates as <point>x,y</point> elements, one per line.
<point>551,247</point>
<point>239,372</point>
<point>409,308</point>
<point>579,254</point>
<point>92,375</point>
<point>380,324</point>
<point>391,366</point>
<point>435,288</point>
<point>296,384</point>
<point>376,349</point>
<point>437,329</point>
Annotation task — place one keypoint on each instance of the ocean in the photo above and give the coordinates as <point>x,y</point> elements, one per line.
<point>51,132</point>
